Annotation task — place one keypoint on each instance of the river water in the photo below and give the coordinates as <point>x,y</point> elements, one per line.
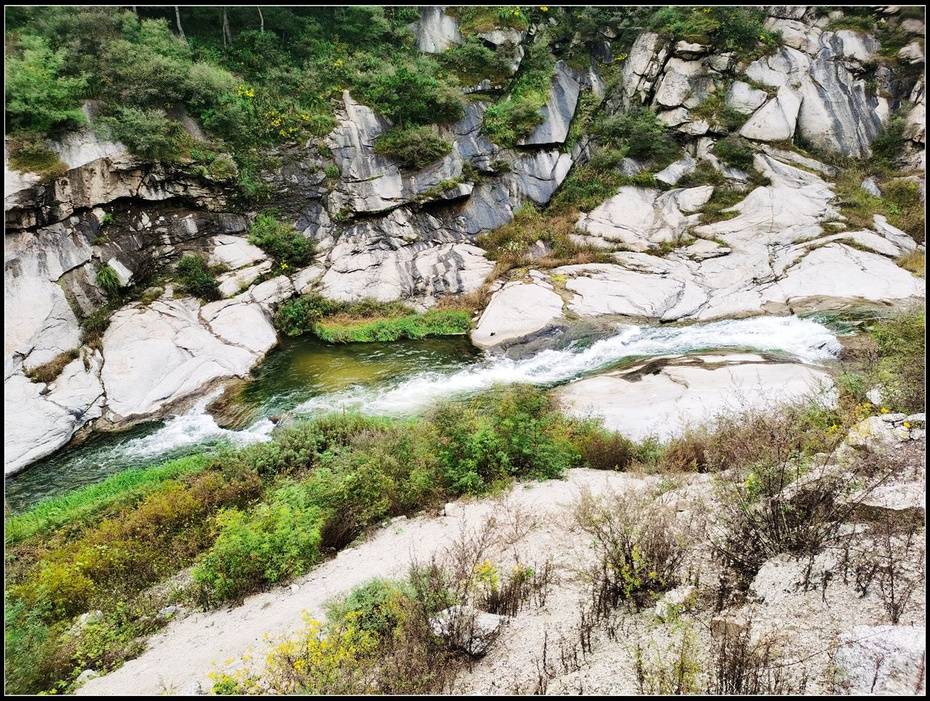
<point>305,376</point>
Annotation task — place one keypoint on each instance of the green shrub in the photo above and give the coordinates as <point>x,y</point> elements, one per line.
<point>302,315</point>
<point>276,539</point>
<point>473,61</point>
<point>412,147</point>
<point>40,97</point>
<point>904,206</point>
<point>148,133</point>
<point>735,152</point>
<point>411,93</point>
<point>373,607</point>
<point>901,368</point>
<point>641,133</point>
<point>299,315</point>
<point>740,29</point>
<point>281,241</point>
<point>511,120</point>
<point>519,113</point>
<point>108,282</point>
<point>888,145</point>
<point>715,110</point>
<point>81,503</point>
<point>606,450</point>
<point>501,435</point>
<point>195,277</point>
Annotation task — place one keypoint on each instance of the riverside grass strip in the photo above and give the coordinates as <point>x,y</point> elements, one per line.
<point>80,503</point>
<point>440,322</point>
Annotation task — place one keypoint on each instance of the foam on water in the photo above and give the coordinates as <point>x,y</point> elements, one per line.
<point>806,340</point>
<point>194,427</point>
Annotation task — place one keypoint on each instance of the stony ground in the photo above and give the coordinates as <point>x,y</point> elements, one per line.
<point>824,634</point>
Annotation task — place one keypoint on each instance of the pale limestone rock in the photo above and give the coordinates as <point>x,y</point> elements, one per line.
<point>436,31</point>
<point>836,275</point>
<point>796,34</point>
<point>235,252</point>
<point>674,172</point>
<point>641,218</point>
<point>883,659</point>
<point>159,355</point>
<point>745,99</point>
<point>786,66</point>
<point>687,391</point>
<point>603,288</point>
<point>837,113</point>
<point>39,419</point>
<point>39,322</point>
<point>776,120</point>
<point>684,83</point>
<point>234,282</point>
<point>642,67</point>
<point>123,274</point>
<point>902,240</point>
<point>515,311</point>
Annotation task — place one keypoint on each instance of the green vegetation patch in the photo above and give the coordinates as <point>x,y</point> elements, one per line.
<point>739,29</point>
<point>365,321</point>
<point>412,147</point>
<point>516,116</point>
<point>438,322</point>
<point>86,501</point>
<point>196,278</point>
<point>288,247</point>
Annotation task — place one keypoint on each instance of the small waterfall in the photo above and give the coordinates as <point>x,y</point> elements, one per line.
<point>806,340</point>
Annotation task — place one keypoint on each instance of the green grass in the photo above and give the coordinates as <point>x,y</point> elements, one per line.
<point>81,503</point>
<point>439,322</point>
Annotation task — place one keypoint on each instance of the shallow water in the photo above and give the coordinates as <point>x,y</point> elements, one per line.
<point>305,376</point>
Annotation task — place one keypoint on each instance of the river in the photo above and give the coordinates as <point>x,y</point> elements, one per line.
<point>304,376</point>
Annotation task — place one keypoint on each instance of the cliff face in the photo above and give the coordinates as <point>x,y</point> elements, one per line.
<point>387,232</point>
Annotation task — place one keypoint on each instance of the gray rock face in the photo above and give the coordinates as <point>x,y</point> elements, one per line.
<point>642,218</point>
<point>372,183</point>
<point>40,323</point>
<point>558,110</point>
<point>436,31</point>
<point>684,83</point>
<point>836,113</point>
<point>101,172</point>
<point>402,255</point>
<point>642,68</point>
<point>882,659</point>
<point>772,257</point>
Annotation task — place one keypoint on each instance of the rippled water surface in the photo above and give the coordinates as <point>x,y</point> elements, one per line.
<point>305,376</point>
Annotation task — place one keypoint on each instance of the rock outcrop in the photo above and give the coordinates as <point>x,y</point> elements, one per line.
<point>773,256</point>
<point>664,396</point>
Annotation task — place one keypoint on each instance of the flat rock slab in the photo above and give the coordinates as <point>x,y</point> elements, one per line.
<point>886,660</point>
<point>517,310</point>
<point>663,397</point>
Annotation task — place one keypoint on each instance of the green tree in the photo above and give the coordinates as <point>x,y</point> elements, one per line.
<point>39,97</point>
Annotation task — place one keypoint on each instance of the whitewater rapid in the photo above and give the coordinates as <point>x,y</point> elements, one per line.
<point>804,339</point>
